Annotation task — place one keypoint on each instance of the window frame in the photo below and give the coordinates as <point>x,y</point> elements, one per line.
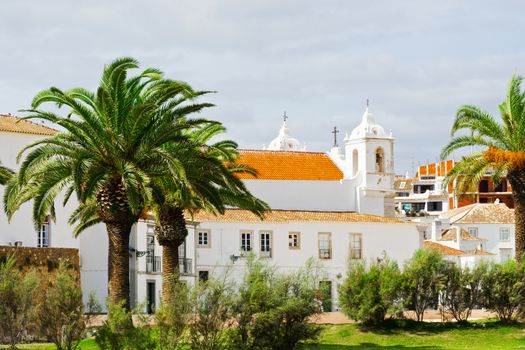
<point>473,228</point>
<point>329,235</point>
<point>297,239</point>
<point>508,234</point>
<point>208,238</point>
<point>246,232</point>
<point>43,238</point>
<point>263,253</point>
<point>353,248</point>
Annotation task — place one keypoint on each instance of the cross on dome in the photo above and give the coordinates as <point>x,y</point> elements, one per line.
<point>283,141</point>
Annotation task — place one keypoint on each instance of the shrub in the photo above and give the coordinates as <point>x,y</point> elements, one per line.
<point>461,291</point>
<point>172,317</point>
<point>211,314</point>
<point>423,277</point>
<point>371,294</point>
<point>18,310</point>
<point>503,287</point>
<point>118,331</point>
<point>61,314</point>
<point>272,310</point>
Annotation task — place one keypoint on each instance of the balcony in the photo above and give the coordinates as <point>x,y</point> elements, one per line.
<point>185,266</point>
<point>153,264</point>
<point>325,253</point>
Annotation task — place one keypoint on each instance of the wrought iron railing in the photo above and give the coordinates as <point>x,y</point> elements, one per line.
<point>153,264</point>
<point>185,266</point>
<point>325,253</point>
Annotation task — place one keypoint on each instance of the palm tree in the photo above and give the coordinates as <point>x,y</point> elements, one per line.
<point>111,147</point>
<point>5,174</point>
<point>501,151</point>
<point>210,185</point>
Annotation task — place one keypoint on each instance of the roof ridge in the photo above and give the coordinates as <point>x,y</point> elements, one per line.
<point>21,122</point>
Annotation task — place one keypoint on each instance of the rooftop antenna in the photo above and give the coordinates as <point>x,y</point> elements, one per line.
<point>335,131</point>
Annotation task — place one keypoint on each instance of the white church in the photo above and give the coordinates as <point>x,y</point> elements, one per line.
<point>335,207</point>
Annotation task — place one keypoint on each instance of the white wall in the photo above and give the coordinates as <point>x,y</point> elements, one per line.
<point>491,233</point>
<point>399,241</point>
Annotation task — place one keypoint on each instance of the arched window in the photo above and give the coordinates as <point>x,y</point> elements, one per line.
<point>380,160</point>
<point>355,162</point>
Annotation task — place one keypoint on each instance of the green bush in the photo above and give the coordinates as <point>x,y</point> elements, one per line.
<point>18,308</point>
<point>503,287</point>
<point>370,294</point>
<point>61,314</point>
<point>172,318</point>
<point>273,310</point>
<point>423,277</point>
<point>118,331</point>
<point>461,291</point>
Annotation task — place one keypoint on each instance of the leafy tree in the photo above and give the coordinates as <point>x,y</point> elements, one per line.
<point>503,287</point>
<point>461,291</point>
<point>211,314</point>
<point>371,293</point>
<point>18,308</point>
<point>209,184</point>
<point>274,310</point>
<point>423,277</point>
<point>502,150</point>
<point>112,144</point>
<point>62,312</point>
<point>173,316</point>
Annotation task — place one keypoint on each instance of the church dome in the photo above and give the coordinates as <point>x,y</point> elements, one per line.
<point>368,128</point>
<point>284,142</point>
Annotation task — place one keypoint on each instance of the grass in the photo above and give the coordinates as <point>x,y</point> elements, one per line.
<point>428,336</point>
<point>398,335</point>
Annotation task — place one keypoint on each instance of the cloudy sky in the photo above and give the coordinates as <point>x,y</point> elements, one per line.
<point>416,61</point>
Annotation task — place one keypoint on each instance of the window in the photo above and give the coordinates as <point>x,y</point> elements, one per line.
<point>246,241</point>
<point>266,244</point>
<point>504,234</point>
<point>204,276</point>
<point>473,231</point>
<point>294,240</point>
<point>380,160</point>
<point>483,186</point>
<point>505,254</point>
<point>402,184</point>
<point>356,246</point>
<point>435,206</point>
<point>43,234</point>
<point>325,245</point>
<point>203,239</point>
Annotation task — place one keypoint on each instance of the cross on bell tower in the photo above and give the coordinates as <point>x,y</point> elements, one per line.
<point>285,117</point>
<point>335,131</point>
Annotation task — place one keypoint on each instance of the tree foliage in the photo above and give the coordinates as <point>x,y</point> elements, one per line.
<point>371,293</point>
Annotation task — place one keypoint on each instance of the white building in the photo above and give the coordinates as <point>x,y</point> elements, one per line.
<point>329,206</point>
<point>481,231</point>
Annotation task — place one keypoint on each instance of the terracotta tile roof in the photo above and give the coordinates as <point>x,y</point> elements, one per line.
<point>481,213</point>
<point>407,184</point>
<point>451,235</point>
<point>286,165</point>
<point>11,123</point>
<point>442,249</point>
<point>283,216</point>
<point>478,252</point>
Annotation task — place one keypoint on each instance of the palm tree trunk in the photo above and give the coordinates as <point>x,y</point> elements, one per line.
<point>171,232</point>
<point>118,262</point>
<point>170,269</point>
<point>517,181</point>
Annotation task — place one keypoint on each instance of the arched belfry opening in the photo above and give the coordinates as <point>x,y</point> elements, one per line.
<point>380,160</point>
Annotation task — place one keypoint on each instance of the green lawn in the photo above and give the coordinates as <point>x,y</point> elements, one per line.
<point>400,335</point>
<point>409,335</point>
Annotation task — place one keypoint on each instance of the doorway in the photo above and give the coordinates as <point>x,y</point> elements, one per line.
<point>150,293</point>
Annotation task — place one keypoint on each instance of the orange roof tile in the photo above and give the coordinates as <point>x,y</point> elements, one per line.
<point>11,123</point>
<point>286,165</point>
<point>283,216</point>
<point>442,249</point>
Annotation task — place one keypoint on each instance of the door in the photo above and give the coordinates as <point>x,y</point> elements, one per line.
<point>150,307</point>
<point>326,293</point>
